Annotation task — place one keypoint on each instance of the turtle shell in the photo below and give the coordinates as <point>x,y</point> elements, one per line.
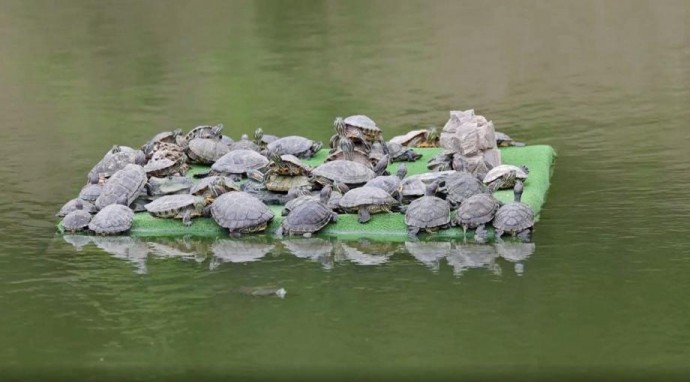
<point>503,170</point>
<point>169,185</point>
<point>204,131</point>
<point>514,217</point>
<point>72,206</point>
<point>294,145</point>
<point>76,221</point>
<point>307,217</point>
<point>241,212</point>
<point>244,144</point>
<point>90,192</point>
<point>358,156</point>
<point>362,122</point>
<point>415,186</point>
<point>167,136</point>
<point>114,160</point>
<point>203,187</point>
<point>206,150</point>
<point>293,203</point>
<point>428,212</point>
<point>174,206</point>
<point>476,210</point>
<point>344,171</point>
<point>461,185</point>
<point>112,219</point>
<point>239,162</point>
<point>411,138</point>
<point>389,183</point>
<point>366,196</point>
<point>283,183</point>
<point>290,165</point>
<point>129,181</point>
<point>164,167</point>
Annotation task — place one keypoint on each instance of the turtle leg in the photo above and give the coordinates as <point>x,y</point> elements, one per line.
<point>524,235</point>
<point>334,217</point>
<point>364,215</point>
<point>235,234</point>
<point>307,234</point>
<point>480,234</point>
<point>498,234</point>
<point>412,232</point>
<point>187,218</point>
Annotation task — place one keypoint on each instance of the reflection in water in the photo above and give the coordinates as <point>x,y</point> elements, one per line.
<point>429,253</point>
<point>237,251</point>
<point>314,248</point>
<point>373,255</point>
<point>78,241</point>
<point>467,256</point>
<point>125,248</point>
<point>515,252</point>
<point>165,250</point>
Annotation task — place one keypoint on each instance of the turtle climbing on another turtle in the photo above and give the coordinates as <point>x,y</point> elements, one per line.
<point>516,217</point>
<point>428,213</point>
<point>128,182</point>
<point>300,147</point>
<point>347,172</point>
<point>505,176</point>
<point>308,217</point>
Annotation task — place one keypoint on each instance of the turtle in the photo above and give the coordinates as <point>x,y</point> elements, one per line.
<point>167,136</point>
<point>343,131</point>
<point>76,220</point>
<point>226,140</point>
<point>347,172</point>
<point>238,162</point>
<point>475,212</point>
<point>392,184</point>
<point>72,206</point>
<point>441,162</point>
<point>505,176</point>
<point>181,206</point>
<point>116,159</point>
<point>396,151</point>
<point>206,150</point>
<point>309,217</point>
<point>168,185</point>
<point>203,131</point>
<point>128,182</point>
<point>113,218</point>
<point>418,138</point>
<point>516,218</point>
<point>297,196</point>
<point>295,145</point>
<point>283,173</point>
<point>414,186</point>
<point>263,291</point>
<point>366,201</point>
<point>91,191</point>
<point>245,144</point>
<point>367,126</point>
<point>348,151</point>
<point>240,213</point>
<point>263,139</point>
<point>159,150</point>
<point>213,186</point>
<point>461,185</point>
<point>283,183</point>
<point>503,140</point>
<point>427,213</point>
<point>165,167</point>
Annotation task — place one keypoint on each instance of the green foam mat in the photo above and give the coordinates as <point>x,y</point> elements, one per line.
<point>539,159</point>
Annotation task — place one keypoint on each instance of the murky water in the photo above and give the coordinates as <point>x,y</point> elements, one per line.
<point>602,290</point>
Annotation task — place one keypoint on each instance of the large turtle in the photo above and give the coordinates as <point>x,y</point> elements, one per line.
<point>505,176</point>
<point>128,182</point>
<point>182,206</point>
<point>475,212</point>
<point>240,212</point>
<point>427,213</point>
<point>116,159</point>
<point>392,184</point>
<point>308,217</point>
<point>113,218</point>
<point>515,218</point>
<point>77,220</point>
<point>503,140</point>
<point>295,145</point>
<point>366,201</point>
<point>206,150</point>
<point>238,162</point>
<point>347,172</point>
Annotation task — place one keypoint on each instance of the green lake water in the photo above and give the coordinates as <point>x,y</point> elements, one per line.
<point>601,292</point>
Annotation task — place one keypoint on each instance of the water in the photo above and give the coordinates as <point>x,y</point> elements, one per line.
<point>603,291</point>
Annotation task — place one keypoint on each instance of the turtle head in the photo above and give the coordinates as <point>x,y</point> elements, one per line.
<point>177,132</point>
<point>524,168</point>
<point>517,190</point>
<point>347,147</point>
<point>93,178</point>
<point>255,175</point>
<point>217,130</point>
<point>339,126</point>
<point>78,204</point>
<point>244,137</point>
<point>258,135</point>
<point>432,187</point>
<point>431,134</point>
<point>316,146</point>
<point>116,149</point>
<point>122,200</point>
<point>148,148</point>
<point>381,165</point>
<point>140,158</point>
<point>274,157</point>
<point>217,187</point>
<point>325,194</point>
<point>402,171</point>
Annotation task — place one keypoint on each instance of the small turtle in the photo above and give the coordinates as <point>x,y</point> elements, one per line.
<point>203,131</point>
<point>515,218</point>
<point>396,151</point>
<point>116,159</point>
<point>113,218</point>
<point>165,167</point>
<point>237,162</point>
<point>167,136</point>
<point>128,182</point>
<point>297,196</point>
<point>461,185</point>
<point>213,186</point>
<point>77,220</point>
<point>366,201</point>
<point>206,150</point>
<point>427,213</point>
<point>263,291</point>
<point>441,162</point>
<point>240,212</point>
<point>295,145</point>
<point>392,184</point>
<point>71,206</point>
<point>475,212</point>
<point>414,186</point>
<point>245,144</point>
<point>418,138</point>
<point>503,140</point>
<point>347,172</point>
<point>308,217</point>
<point>91,191</point>
<point>264,139</point>
<point>505,176</point>
<point>169,185</point>
<point>367,126</point>
<point>182,206</point>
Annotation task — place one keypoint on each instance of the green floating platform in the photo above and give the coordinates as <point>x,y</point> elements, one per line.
<point>539,159</point>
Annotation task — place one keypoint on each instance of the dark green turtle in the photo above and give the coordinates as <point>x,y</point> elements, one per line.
<point>308,217</point>
<point>77,220</point>
<point>366,201</point>
<point>128,182</point>
<point>428,213</point>
<point>206,150</point>
<point>294,145</point>
<point>240,213</point>
<point>475,212</point>
<point>515,218</point>
<point>113,218</point>
<point>182,206</point>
